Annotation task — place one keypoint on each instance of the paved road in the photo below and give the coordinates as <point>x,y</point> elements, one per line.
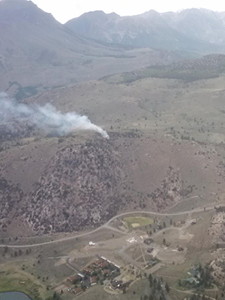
<point>72,267</point>
<point>106,225</point>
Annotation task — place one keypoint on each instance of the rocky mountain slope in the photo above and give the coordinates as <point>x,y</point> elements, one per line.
<point>79,188</point>
<point>191,30</point>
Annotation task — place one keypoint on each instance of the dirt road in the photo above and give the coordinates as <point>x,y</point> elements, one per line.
<point>106,225</point>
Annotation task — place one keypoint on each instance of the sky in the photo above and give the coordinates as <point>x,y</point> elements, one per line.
<point>64,10</point>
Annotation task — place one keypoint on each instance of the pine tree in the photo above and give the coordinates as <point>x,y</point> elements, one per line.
<point>167,287</point>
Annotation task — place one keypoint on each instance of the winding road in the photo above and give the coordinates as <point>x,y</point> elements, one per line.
<point>107,226</point>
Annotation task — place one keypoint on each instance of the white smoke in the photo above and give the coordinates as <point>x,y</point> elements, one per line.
<point>45,117</point>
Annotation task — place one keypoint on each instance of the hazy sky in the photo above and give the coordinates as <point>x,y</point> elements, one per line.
<point>63,10</point>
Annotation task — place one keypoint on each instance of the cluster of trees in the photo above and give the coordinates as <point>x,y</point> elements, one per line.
<point>14,253</point>
<point>205,276</point>
<point>54,297</point>
<point>158,289</point>
<point>201,278</point>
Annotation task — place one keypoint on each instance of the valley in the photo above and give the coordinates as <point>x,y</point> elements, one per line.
<point>164,161</point>
<point>112,155</point>
<point>163,246</point>
<point>38,53</point>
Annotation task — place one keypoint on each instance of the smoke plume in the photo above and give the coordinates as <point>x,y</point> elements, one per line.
<point>46,117</point>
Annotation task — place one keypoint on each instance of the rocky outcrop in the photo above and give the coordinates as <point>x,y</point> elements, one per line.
<point>79,188</point>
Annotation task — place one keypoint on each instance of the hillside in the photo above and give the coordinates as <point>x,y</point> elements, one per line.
<point>38,53</point>
<point>192,30</point>
<point>209,66</point>
<point>78,189</point>
<point>165,147</point>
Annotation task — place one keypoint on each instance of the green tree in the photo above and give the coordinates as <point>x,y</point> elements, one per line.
<point>167,287</point>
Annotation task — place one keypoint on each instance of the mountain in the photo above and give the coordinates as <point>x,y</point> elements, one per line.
<point>194,30</point>
<point>38,53</point>
<point>200,24</point>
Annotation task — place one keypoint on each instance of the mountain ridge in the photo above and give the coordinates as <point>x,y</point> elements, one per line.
<point>39,53</point>
<point>195,30</point>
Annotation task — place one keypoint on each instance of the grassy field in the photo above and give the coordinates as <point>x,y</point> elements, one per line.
<point>14,279</point>
<point>135,222</point>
